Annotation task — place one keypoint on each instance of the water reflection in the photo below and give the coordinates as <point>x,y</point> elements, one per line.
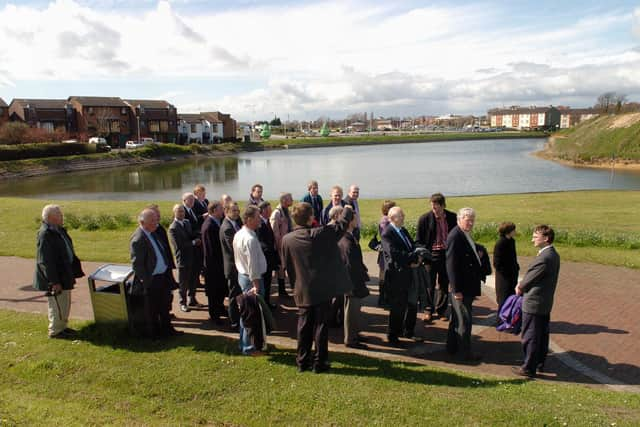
<point>399,170</point>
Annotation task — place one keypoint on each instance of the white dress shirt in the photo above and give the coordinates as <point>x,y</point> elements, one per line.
<point>248,254</point>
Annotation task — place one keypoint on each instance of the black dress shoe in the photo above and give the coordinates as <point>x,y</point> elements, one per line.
<point>70,331</point>
<point>362,339</point>
<point>518,370</point>
<point>321,367</point>
<point>394,341</point>
<point>303,368</point>
<point>62,335</point>
<point>472,357</point>
<point>357,345</point>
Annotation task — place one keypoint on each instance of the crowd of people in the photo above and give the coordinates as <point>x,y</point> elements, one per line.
<point>235,255</point>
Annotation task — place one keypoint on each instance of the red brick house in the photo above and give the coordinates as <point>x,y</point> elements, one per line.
<point>158,119</point>
<point>48,114</point>
<point>229,125</point>
<point>110,118</point>
<point>4,112</point>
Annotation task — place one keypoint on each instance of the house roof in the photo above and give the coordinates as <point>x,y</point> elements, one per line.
<point>520,110</point>
<point>98,101</point>
<point>196,118</point>
<point>41,103</point>
<point>2,103</point>
<point>148,103</point>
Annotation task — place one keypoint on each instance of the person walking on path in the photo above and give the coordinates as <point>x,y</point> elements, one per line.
<point>538,287</point>
<point>505,262</point>
<point>57,267</point>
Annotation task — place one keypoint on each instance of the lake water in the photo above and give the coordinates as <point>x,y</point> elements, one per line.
<point>382,171</point>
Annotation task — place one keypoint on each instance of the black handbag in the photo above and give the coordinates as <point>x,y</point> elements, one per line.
<point>374,243</point>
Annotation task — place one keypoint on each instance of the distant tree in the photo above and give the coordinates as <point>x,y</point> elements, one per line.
<point>275,122</point>
<point>13,133</point>
<point>610,100</point>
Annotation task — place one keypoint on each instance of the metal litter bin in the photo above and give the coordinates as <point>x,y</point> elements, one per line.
<point>107,288</point>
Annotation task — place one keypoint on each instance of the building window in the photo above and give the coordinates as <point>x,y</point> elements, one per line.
<point>164,126</point>
<point>154,126</point>
<point>47,126</point>
<point>214,128</point>
<point>90,110</point>
<point>193,128</point>
<point>115,126</point>
<point>123,111</point>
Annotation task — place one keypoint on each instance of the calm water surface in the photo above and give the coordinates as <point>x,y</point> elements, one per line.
<point>401,170</point>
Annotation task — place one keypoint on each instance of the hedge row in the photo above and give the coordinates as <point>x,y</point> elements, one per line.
<point>53,149</point>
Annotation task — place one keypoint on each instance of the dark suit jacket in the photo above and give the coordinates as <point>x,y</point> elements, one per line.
<point>161,235</point>
<point>325,213</point>
<point>539,283</point>
<point>352,258</point>
<point>143,257</point>
<point>463,268</point>
<point>227,231</point>
<point>212,248</point>
<point>397,258</point>
<point>199,209</point>
<point>268,244</point>
<point>312,259</point>
<point>181,238</point>
<point>53,266</point>
<point>426,228</point>
<point>317,213</point>
<point>195,220</point>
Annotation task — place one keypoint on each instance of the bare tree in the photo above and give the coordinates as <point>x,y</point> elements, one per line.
<point>610,100</point>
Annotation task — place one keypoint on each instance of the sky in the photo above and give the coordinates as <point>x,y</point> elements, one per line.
<point>307,59</point>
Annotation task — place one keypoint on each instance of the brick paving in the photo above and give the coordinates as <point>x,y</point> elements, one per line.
<point>594,328</point>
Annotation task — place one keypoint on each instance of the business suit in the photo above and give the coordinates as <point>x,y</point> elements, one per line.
<point>215,283</point>
<point>156,286</point>
<point>312,260</point>
<point>227,231</point>
<point>538,287</point>
<point>181,238</point>
<point>325,213</point>
<point>317,207</point>
<point>200,208</point>
<point>398,255</point>
<point>196,222</point>
<point>356,208</point>
<point>505,262</point>
<point>352,258</point>
<point>268,245</point>
<point>465,274</point>
<point>426,234</point>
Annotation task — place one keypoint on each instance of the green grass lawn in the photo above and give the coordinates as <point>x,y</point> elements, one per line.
<point>106,378</point>
<point>594,221</point>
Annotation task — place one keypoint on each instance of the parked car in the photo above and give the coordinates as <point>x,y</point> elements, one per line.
<point>147,141</point>
<point>97,140</point>
<point>70,141</point>
<point>134,144</point>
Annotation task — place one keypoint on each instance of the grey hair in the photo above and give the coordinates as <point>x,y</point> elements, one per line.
<point>187,195</point>
<point>144,213</point>
<point>466,212</point>
<point>177,207</point>
<point>335,211</point>
<point>285,196</point>
<point>48,210</point>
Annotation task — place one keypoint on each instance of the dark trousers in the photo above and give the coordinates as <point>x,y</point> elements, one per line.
<point>505,286</point>
<point>234,290</point>
<point>216,289</point>
<point>438,288</point>
<point>459,334</point>
<point>156,306</point>
<point>313,328</point>
<point>535,340</point>
<point>267,278</point>
<point>196,269</point>
<point>402,315</point>
<point>186,283</point>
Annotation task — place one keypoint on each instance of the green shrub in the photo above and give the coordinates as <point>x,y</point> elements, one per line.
<point>71,221</point>
<point>32,151</point>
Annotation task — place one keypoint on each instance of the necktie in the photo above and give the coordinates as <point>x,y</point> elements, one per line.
<point>159,245</point>
<point>404,239</point>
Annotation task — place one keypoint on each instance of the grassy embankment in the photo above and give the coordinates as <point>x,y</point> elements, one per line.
<point>592,226</point>
<point>165,151</point>
<point>109,379</point>
<point>600,140</point>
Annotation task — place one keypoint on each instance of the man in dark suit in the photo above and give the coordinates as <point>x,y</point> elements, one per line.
<point>230,225</point>
<point>315,200</point>
<point>334,200</point>
<point>538,287</point>
<point>431,232</point>
<point>399,259</point>
<point>188,202</point>
<point>215,283</point>
<point>182,239</point>
<point>268,244</point>
<point>201,204</point>
<point>313,263</point>
<point>150,259</point>
<point>352,200</point>
<point>464,268</point>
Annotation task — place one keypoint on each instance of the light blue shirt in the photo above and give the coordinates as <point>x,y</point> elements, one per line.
<point>161,265</point>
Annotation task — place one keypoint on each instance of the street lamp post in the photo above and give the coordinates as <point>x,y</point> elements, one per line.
<point>139,111</point>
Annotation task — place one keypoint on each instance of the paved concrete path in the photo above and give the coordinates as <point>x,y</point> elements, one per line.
<point>594,327</point>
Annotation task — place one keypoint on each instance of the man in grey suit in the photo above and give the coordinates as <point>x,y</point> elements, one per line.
<point>538,287</point>
<point>184,241</point>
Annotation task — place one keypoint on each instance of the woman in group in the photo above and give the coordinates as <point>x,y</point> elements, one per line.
<point>384,222</point>
<point>505,262</point>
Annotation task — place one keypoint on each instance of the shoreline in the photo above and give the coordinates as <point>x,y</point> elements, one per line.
<point>65,164</point>
<point>602,164</point>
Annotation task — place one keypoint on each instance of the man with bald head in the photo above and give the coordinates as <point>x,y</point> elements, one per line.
<point>150,259</point>
<point>352,200</point>
<point>399,258</point>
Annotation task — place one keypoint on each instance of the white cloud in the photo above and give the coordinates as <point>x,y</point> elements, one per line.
<point>331,57</point>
